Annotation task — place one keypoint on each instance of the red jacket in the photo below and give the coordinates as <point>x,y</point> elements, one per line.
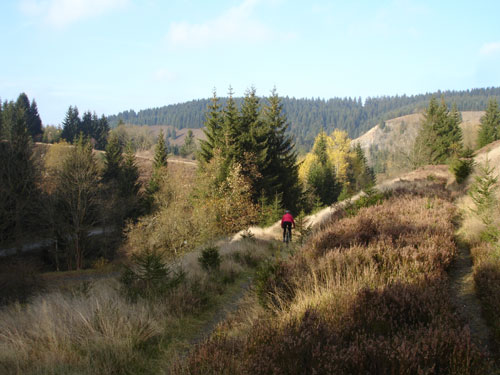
<point>287,218</point>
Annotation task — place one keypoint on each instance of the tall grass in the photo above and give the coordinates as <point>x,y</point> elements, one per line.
<point>99,329</point>
<point>367,294</point>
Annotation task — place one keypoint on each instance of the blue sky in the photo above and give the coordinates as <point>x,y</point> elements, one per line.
<point>113,55</point>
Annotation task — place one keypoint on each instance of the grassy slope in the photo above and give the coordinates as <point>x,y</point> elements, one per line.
<point>367,294</point>
<point>400,132</point>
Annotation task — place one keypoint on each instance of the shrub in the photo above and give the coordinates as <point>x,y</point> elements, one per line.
<point>210,259</point>
<point>461,168</point>
<point>148,276</point>
<point>19,280</point>
<point>273,284</point>
<point>372,197</point>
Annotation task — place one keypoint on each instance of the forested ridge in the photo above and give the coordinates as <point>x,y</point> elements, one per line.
<point>307,117</point>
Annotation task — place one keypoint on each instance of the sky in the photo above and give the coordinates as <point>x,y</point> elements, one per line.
<point>109,56</point>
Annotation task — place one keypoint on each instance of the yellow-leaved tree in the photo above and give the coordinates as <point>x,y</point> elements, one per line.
<point>338,152</point>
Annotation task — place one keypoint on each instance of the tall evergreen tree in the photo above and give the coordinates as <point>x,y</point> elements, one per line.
<point>231,129</point>
<point>34,121</point>
<point>19,176</point>
<point>130,173</point>
<point>100,131</point>
<point>281,172</point>
<point>440,135</point>
<point>160,158</point>
<point>321,176</point>
<point>213,130</point>
<point>71,125</point>
<point>87,125</point>
<point>113,159</point>
<point>362,176</point>
<point>489,129</point>
<point>252,143</point>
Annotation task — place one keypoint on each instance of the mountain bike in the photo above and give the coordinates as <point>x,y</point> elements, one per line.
<point>288,237</point>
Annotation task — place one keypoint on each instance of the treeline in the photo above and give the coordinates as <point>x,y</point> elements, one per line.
<point>20,111</point>
<point>63,192</point>
<point>307,117</point>
<point>90,126</point>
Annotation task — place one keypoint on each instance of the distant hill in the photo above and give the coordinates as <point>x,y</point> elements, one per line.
<point>391,141</point>
<point>400,132</point>
<point>307,117</point>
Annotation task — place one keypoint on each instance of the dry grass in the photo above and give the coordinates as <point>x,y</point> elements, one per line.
<point>367,294</point>
<point>95,329</point>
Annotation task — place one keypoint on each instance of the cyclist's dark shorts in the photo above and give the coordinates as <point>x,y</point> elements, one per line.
<point>287,225</point>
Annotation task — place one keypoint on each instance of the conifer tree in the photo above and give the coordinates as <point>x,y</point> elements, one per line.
<point>19,176</point>
<point>213,130</point>
<point>440,135</point>
<point>71,125</point>
<point>100,131</point>
<point>489,129</point>
<point>113,159</point>
<point>159,167</point>
<point>86,125</point>
<point>130,173</point>
<point>252,143</point>
<point>321,173</point>
<point>281,172</point>
<point>34,120</point>
<point>160,158</point>
<point>362,176</point>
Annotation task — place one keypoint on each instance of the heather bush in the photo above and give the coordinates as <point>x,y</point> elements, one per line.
<point>366,294</point>
<point>487,285</point>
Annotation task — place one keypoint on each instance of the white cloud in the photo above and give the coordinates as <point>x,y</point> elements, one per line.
<point>489,49</point>
<point>235,24</point>
<point>61,13</point>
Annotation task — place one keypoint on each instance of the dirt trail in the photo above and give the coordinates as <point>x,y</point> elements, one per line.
<point>464,296</point>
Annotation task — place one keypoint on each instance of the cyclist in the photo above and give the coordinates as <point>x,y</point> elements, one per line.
<point>287,223</point>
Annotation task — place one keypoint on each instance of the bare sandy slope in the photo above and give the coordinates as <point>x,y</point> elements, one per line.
<point>400,132</point>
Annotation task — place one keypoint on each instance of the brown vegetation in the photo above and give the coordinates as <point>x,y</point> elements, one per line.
<point>367,294</point>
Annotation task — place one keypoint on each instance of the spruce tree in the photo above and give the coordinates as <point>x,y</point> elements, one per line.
<point>489,129</point>
<point>71,125</point>
<point>363,176</point>
<point>160,158</point>
<point>440,135</point>
<point>113,159</point>
<point>231,129</point>
<point>321,176</point>
<point>101,131</point>
<point>213,130</point>
<point>159,167</point>
<point>87,125</point>
<point>34,121</point>
<point>130,173</point>
<point>251,143</point>
<point>281,174</point>
<point>19,176</point>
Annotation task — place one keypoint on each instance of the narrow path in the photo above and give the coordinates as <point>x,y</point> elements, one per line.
<point>220,316</point>
<point>464,296</point>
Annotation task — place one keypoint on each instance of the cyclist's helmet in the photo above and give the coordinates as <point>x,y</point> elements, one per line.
<point>287,212</point>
